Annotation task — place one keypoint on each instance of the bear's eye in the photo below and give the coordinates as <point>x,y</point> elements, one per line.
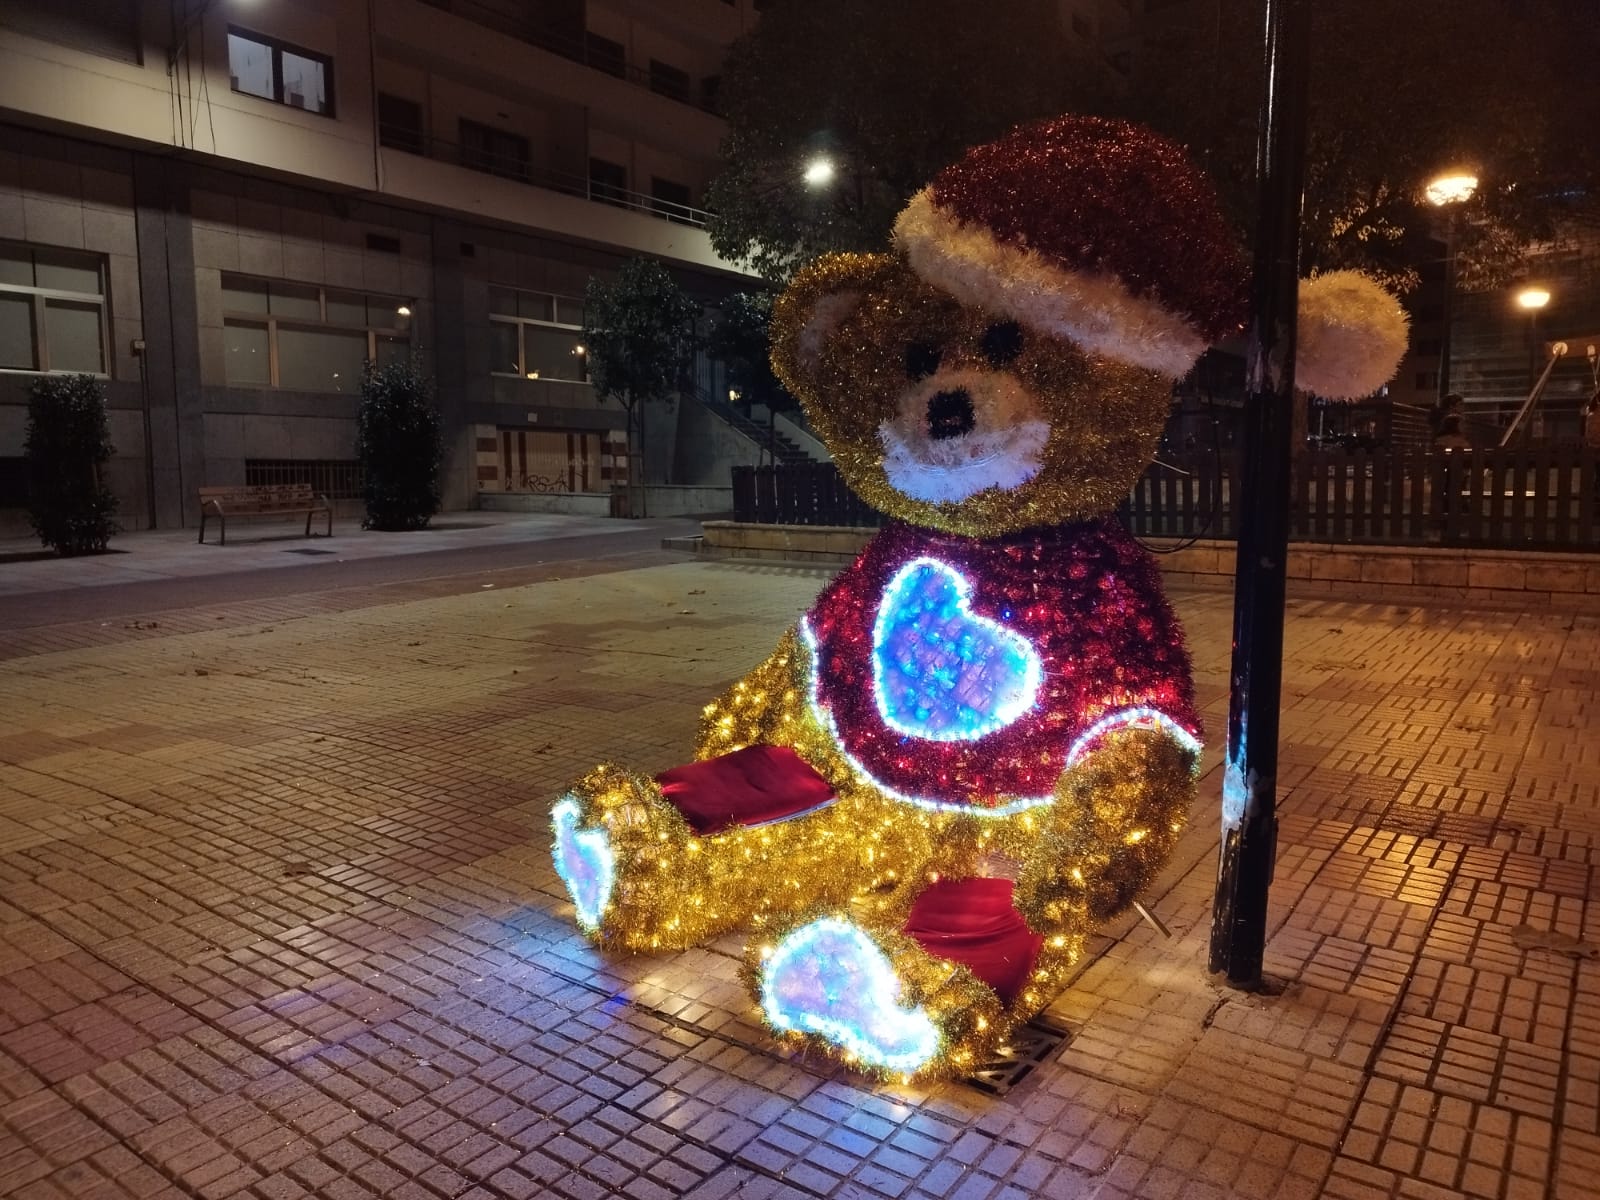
<point>1002,343</point>
<point>922,359</point>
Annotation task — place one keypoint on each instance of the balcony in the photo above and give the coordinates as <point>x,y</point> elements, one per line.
<point>589,50</point>
<point>515,165</point>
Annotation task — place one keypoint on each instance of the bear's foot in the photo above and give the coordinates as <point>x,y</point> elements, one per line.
<point>585,862</point>
<point>830,981</point>
<point>936,997</point>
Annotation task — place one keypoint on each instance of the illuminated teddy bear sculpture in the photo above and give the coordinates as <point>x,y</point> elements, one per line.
<point>981,739</point>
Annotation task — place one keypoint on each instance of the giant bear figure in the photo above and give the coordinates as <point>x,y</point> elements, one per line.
<point>981,739</point>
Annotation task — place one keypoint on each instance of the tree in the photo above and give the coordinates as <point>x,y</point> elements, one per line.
<point>639,338</point>
<point>889,93</point>
<point>67,447</point>
<point>1399,93</point>
<point>740,340</point>
<point>398,442</point>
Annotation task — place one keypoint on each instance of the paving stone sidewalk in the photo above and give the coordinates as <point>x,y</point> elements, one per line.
<point>277,919</point>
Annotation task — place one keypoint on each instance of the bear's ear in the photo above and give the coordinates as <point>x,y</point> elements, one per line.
<point>1351,336</point>
<point>818,299</point>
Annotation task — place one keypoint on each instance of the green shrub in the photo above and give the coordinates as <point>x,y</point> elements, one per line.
<point>397,438</point>
<point>68,445</point>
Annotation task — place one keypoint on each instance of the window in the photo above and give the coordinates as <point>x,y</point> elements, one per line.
<point>262,66</point>
<point>310,339</point>
<point>672,199</point>
<point>536,335</point>
<point>52,310</point>
<point>603,54</point>
<point>493,151</point>
<point>608,182</point>
<point>400,123</point>
<point>668,80</point>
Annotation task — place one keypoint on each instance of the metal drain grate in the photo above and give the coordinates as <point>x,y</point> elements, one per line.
<point>309,550</point>
<point>1030,1045</point>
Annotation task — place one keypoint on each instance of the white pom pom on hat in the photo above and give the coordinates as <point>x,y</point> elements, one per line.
<point>1351,336</point>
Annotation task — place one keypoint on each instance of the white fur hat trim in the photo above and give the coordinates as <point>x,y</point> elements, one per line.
<point>1093,310</point>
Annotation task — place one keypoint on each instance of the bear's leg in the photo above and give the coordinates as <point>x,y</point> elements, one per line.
<point>930,995</point>
<point>751,828</point>
<point>1118,812</point>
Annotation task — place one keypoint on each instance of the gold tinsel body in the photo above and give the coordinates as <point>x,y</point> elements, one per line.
<point>1075,862</point>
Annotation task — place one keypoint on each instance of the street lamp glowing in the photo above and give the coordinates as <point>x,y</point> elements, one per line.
<point>1533,298</point>
<point>819,172</point>
<point>1451,189</point>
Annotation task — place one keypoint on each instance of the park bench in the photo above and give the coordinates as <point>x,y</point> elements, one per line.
<point>276,500</point>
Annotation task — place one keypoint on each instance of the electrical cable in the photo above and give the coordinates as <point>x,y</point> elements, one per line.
<point>1185,541</point>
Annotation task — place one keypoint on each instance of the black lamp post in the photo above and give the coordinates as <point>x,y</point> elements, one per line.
<point>1249,793</point>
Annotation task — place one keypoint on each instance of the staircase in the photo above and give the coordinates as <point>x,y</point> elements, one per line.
<point>783,448</point>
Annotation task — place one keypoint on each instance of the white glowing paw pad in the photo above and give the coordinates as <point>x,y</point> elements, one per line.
<point>585,863</point>
<point>829,979</point>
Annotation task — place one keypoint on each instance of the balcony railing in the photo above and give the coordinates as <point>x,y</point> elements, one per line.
<point>580,50</point>
<point>520,168</point>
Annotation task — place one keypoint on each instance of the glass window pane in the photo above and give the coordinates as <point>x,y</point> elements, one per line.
<point>383,312</point>
<point>16,266</point>
<point>392,349</point>
<point>16,333</point>
<point>569,310</point>
<point>536,307</point>
<point>250,67</point>
<point>503,348</point>
<point>247,362</point>
<point>72,337</point>
<point>294,300</point>
<point>347,308</point>
<point>320,360</point>
<point>67,272</point>
<point>243,295</point>
<point>553,352</point>
<point>305,83</point>
<point>502,302</point>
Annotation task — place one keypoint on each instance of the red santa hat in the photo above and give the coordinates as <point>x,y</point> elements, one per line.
<point>1105,233</point>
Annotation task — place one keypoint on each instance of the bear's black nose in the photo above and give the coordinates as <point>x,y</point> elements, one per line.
<point>950,414</point>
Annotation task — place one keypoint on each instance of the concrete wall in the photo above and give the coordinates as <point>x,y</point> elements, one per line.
<point>82,198</point>
<point>709,448</point>
<point>1402,575</point>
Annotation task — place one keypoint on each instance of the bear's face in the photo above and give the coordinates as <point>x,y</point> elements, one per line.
<point>950,417</point>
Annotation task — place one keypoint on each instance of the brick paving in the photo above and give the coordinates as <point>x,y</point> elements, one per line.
<point>277,920</point>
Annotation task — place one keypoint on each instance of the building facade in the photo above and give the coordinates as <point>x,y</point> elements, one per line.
<point>224,207</point>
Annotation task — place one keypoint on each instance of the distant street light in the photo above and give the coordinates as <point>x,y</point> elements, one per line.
<point>1532,300</point>
<point>1449,192</point>
<point>819,172</point>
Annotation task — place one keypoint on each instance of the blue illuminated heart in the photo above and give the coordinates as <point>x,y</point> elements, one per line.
<point>939,670</point>
<point>585,863</point>
<point>829,979</point>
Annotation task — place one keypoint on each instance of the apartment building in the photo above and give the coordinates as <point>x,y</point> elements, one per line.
<point>223,207</point>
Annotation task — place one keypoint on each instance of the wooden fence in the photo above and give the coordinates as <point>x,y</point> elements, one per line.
<point>1545,498</point>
